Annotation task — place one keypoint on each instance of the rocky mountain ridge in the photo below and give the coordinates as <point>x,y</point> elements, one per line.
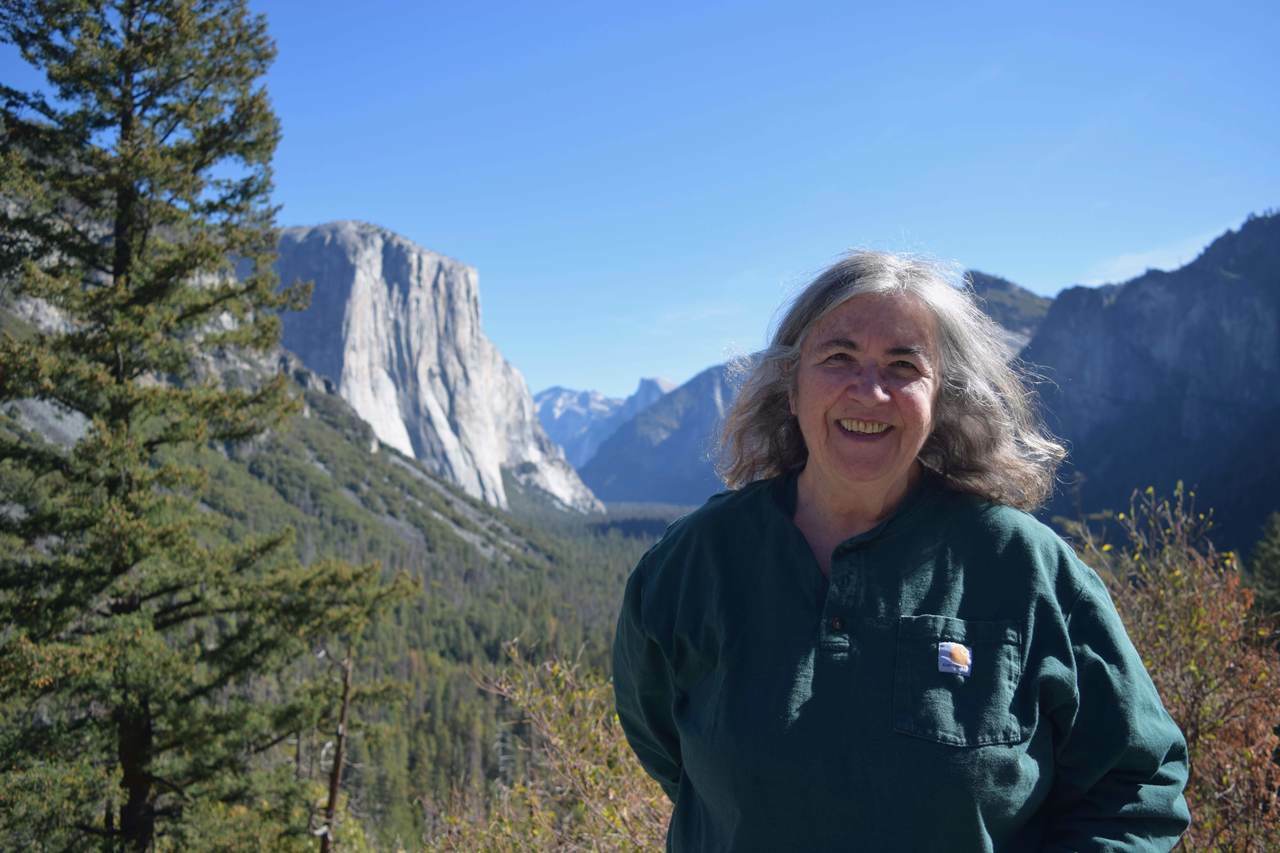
<point>579,421</point>
<point>1172,376</point>
<point>666,453</point>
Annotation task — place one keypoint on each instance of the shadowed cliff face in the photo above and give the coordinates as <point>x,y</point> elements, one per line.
<point>1173,376</point>
<point>665,452</point>
<point>398,328</point>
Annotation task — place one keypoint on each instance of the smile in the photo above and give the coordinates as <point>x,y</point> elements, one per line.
<point>864,427</point>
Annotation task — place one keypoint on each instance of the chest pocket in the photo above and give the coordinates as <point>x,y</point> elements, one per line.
<point>976,709</point>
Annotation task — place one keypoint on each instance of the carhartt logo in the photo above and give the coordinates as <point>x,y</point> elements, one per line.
<point>954,658</point>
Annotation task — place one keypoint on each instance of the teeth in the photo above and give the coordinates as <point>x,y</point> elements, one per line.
<point>868,427</point>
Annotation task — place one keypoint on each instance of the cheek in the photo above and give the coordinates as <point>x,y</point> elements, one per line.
<point>922,412</point>
<point>804,391</point>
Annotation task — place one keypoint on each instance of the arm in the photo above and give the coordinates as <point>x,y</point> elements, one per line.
<point>644,693</point>
<point>1120,760</point>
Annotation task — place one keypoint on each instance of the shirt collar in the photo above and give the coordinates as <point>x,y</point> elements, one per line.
<point>923,493</point>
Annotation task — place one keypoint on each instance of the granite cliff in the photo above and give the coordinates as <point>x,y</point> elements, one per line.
<point>397,328</point>
<point>1172,376</point>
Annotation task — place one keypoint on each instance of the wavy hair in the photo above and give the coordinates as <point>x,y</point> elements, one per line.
<point>987,437</point>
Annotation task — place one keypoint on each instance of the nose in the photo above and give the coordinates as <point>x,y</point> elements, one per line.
<point>866,385</point>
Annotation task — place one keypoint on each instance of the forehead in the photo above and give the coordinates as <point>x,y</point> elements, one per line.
<point>877,321</point>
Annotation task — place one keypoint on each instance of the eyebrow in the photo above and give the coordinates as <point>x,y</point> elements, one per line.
<point>850,344</point>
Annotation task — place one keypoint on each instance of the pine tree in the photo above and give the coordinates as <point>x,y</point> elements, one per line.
<point>147,665</point>
<point>1264,568</point>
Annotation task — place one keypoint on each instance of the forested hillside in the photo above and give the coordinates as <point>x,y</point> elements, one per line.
<point>548,579</point>
<point>484,578</point>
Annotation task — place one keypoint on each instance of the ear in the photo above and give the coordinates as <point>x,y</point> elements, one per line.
<point>791,402</point>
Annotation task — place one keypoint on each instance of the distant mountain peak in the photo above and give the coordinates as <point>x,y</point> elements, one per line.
<point>1256,243</point>
<point>651,383</point>
<point>664,452</point>
<point>579,421</point>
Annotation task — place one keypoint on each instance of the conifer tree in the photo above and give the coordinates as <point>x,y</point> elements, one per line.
<point>146,664</point>
<point>1264,568</point>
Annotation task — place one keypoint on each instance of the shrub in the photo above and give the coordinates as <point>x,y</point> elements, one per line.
<point>1191,618</point>
<point>584,790</point>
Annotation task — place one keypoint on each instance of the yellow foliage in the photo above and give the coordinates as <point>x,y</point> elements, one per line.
<point>584,791</point>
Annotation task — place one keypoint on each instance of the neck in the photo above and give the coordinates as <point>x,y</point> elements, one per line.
<point>828,516</point>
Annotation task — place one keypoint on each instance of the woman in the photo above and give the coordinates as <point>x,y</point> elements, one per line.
<point>870,644</point>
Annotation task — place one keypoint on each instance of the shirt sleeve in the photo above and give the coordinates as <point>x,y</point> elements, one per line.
<point>644,692</point>
<point>1120,762</point>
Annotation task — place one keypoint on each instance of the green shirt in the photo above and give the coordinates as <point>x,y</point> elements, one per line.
<point>782,712</point>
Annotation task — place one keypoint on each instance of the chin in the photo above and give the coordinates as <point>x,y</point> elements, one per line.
<point>874,477</point>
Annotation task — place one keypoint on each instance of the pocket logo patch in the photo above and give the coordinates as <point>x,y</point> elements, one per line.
<point>954,658</point>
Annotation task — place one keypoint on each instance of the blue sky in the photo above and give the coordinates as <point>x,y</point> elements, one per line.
<point>640,187</point>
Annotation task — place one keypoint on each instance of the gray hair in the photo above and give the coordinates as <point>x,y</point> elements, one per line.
<point>987,436</point>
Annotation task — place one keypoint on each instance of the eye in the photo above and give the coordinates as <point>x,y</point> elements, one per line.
<point>906,365</point>
<point>837,356</point>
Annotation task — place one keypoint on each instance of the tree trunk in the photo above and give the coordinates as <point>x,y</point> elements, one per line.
<point>335,772</point>
<point>137,815</point>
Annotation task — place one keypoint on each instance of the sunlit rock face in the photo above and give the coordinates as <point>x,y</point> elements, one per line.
<point>398,328</point>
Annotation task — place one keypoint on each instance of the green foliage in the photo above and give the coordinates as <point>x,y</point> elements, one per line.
<point>272,822</point>
<point>552,579</point>
<point>1264,568</point>
<point>149,663</point>
<point>1191,618</point>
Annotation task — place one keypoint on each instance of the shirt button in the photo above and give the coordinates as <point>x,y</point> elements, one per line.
<point>837,624</point>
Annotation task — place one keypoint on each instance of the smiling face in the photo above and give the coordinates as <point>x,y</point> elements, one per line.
<point>865,388</point>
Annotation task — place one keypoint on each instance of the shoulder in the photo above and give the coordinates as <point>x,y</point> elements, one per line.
<point>1014,544</point>
<point>725,512</point>
<point>713,534</point>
